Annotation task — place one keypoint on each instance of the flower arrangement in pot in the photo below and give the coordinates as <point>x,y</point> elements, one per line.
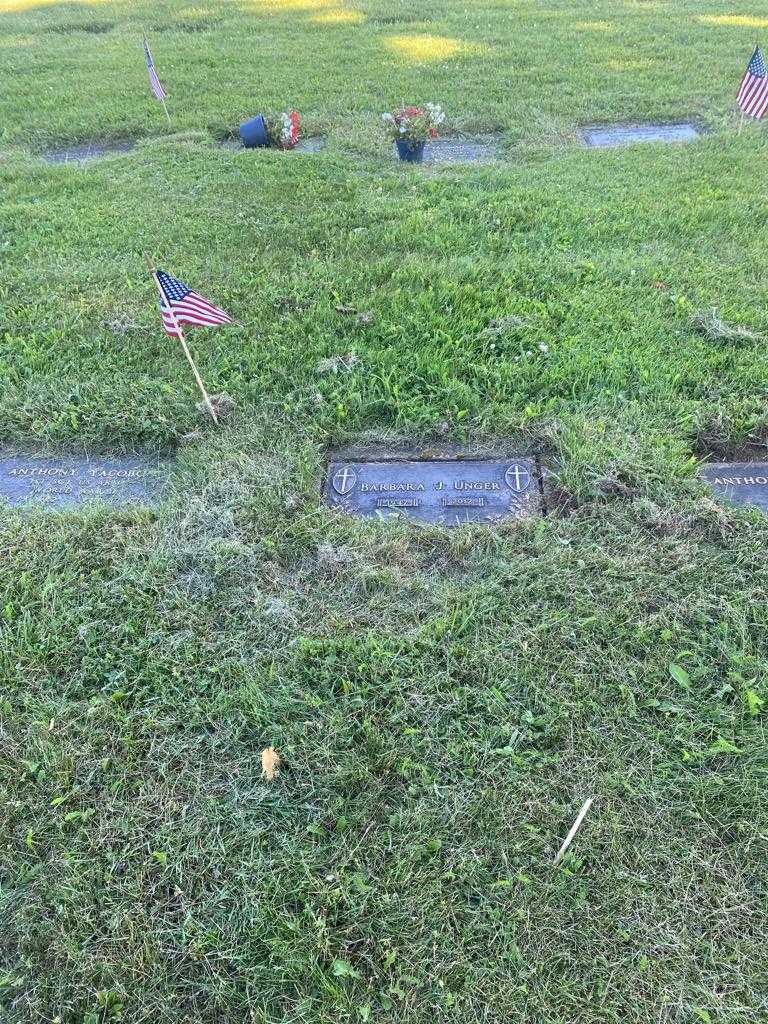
<point>410,128</point>
<point>280,132</point>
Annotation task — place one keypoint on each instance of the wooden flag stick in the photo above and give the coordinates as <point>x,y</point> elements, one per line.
<point>198,378</point>
<point>180,334</point>
<point>574,829</point>
<point>741,123</point>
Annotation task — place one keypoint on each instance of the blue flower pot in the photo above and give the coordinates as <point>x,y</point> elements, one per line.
<point>410,152</point>
<point>254,133</point>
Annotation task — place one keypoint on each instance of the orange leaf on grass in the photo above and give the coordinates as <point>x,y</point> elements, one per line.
<point>270,763</point>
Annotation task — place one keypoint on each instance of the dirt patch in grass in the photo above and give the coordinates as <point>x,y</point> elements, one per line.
<point>400,19</point>
<point>561,502</point>
<point>95,28</point>
<point>190,26</point>
<point>713,446</point>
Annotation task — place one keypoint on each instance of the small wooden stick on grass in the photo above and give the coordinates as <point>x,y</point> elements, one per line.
<point>574,829</point>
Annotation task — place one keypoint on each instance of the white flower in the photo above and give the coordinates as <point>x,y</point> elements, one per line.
<point>435,112</point>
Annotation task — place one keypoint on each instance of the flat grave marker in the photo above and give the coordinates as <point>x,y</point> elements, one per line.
<point>483,150</point>
<point>68,481</point>
<point>740,483</point>
<point>443,492</point>
<point>87,152</point>
<point>606,136</point>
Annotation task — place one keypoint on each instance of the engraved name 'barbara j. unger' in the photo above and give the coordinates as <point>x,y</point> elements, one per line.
<point>516,477</point>
<point>441,491</point>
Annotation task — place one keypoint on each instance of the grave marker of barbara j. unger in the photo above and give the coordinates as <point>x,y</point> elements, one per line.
<point>443,492</point>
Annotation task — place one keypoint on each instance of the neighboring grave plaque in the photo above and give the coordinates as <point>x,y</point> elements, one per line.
<point>741,483</point>
<point>444,492</point>
<point>461,151</point>
<point>606,136</point>
<point>88,152</point>
<point>69,481</point>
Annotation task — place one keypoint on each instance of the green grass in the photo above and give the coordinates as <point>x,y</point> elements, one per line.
<point>443,702</point>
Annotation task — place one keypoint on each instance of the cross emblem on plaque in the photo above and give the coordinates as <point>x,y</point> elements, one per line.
<point>517,477</point>
<point>344,480</point>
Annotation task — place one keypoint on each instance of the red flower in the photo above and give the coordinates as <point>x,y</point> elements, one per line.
<point>294,118</point>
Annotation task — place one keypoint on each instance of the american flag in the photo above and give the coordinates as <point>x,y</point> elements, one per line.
<point>180,305</point>
<point>752,98</point>
<point>154,81</point>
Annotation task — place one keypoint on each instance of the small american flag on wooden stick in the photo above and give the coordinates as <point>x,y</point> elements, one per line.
<point>752,97</point>
<point>154,81</point>
<point>180,305</point>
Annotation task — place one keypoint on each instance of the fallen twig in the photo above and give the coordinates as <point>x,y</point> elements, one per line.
<point>574,829</point>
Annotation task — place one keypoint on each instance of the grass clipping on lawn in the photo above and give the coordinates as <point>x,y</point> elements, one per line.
<point>714,329</point>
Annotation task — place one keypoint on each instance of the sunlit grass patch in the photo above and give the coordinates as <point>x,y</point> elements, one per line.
<point>338,17</point>
<point>594,26</point>
<point>421,49</point>
<point>18,6</point>
<point>292,5</point>
<point>739,20</point>
<point>16,42</point>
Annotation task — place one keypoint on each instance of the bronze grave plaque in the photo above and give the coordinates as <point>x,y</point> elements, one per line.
<point>64,482</point>
<point>443,492</point>
<point>606,136</point>
<point>740,483</point>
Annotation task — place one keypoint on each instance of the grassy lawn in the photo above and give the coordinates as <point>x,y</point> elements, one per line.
<point>443,702</point>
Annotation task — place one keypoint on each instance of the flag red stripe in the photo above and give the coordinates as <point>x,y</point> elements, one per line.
<point>756,100</point>
<point>754,88</point>
<point>746,81</point>
<point>751,86</point>
<point>208,318</point>
<point>213,312</point>
<point>194,301</point>
<point>191,317</point>
<point>760,110</point>
<point>197,321</point>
